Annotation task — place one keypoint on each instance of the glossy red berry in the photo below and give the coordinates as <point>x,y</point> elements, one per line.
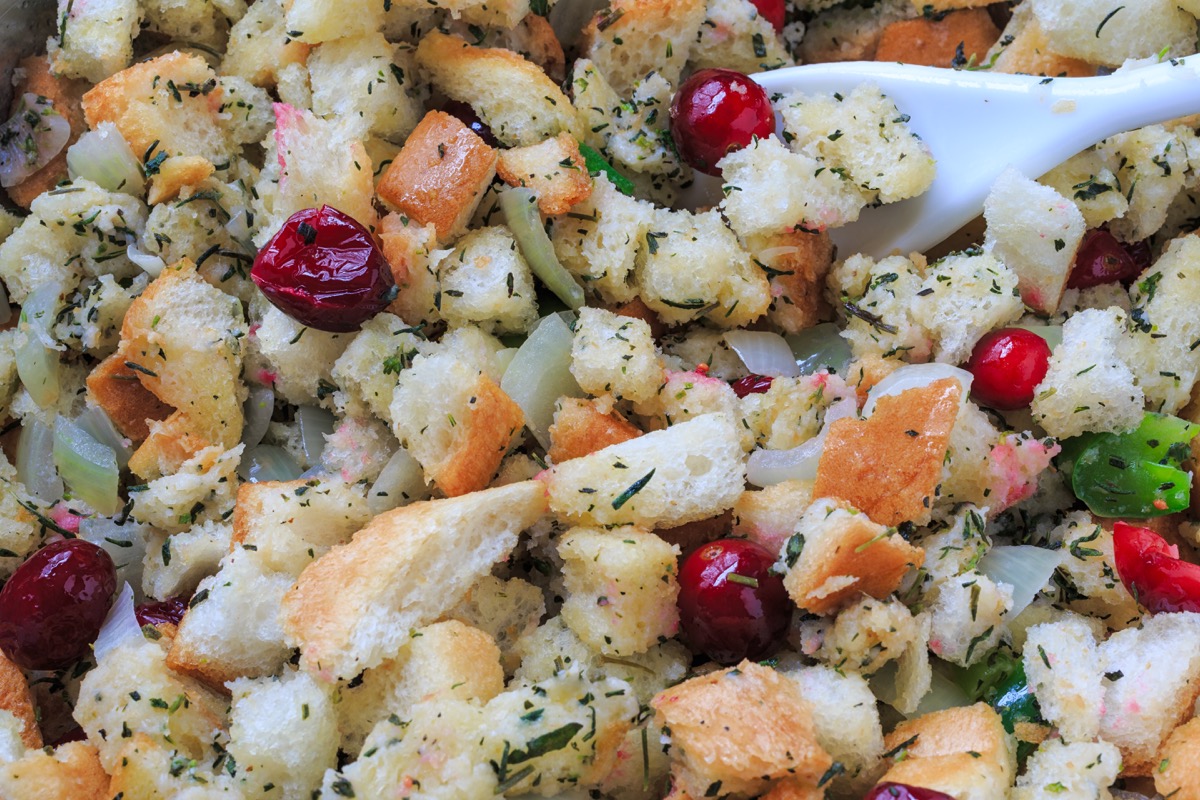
<point>715,112</point>
<point>1152,570</point>
<point>159,612</point>
<point>773,11</point>
<point>752,384</point>
<point>52,607</point>
<point>731,605</point>
<point>1102,259</point>
<point>1008,364</point>
<point>467,116</point>
<point>902,791</point>
<point>324,270</point>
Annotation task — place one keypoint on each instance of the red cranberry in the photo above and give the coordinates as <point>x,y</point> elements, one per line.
<point>324,270</point>
<point>715,112</point>
<point>52,607</point>
<point>160,612</point>
<point>1102,259</point>
<point>467,116</point>
<point>902,791</point>
<point>1008,364</point>
<point>731,605</point>
<point>773,11</point>
<point>752,384</point>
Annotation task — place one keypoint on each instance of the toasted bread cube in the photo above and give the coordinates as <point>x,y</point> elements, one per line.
<point>878,466</point>
<point>554,170</point>
<point>259,48</point>
<point>174,174</point>
<point>629,39</point>
<point>518,101</point>
<point>175,564</point>
<point>687,472</point>
<point>962,281</point>
<point>1025,48</point>
<point>797,263</point>
<point>734,35</point>
<point>439,175</point>
<point>315,21</point>
<point>837,554</point>
<point>69,772</point>
<point>851,33</point>
<point>615,355</point>
<point>411,252</point>
<point>581,427</point>
<point>34,76</point>
<point>845,719</point>
<point>1060,664</point>
<point>869,634</point>
<point>115,388</point>
<point>367,369</point>
<point>93,40</point>
<point>1176,773</point>
<point>1079,769</point>
<point>283,730</point>
<point>368,81</point>
<point>454,420</point>
<point>968,612</point>
<point>402,581</point>
<point>1152,165</point>
<point>486,281</point>
<point>741,728</point>
<point>964,752</point>
<point>769,516</point>
<point>938,42</point>
<point>1094,31</point>
<point>507,610</point>
<point>16,699</point>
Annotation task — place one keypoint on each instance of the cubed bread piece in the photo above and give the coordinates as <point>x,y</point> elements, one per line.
<point>293,523</point>
<point>554,170</point>
<point>1105,33</point>
<point>686,395</point>
<point>1155,678</point>
<point>692,266</point>
<point>33,76</point>
<point>690,471</point>
<point>367,82</point>
<point>633,38</point>
<point>615,355</point>
<point>879,466</point>
<point>1060,664</point>
<point>283,731</point>
<point>115,388</point>
<point>620,588</point>
<point>1152,167</point>
<point>1078,769</point>
<point>1089,179</point>
<point>845,719</point>
<point>93,40</point>
<point>1034,231</point>
<point>259,47</point>
<point>315,21</point>
<point>454,420</point>
<point>863,134</point>
<point>368,368</point>
<point>1024,48</point>
<point>188,21</point>
<point>507,610</point>
<point>411,252</point>
<point>1176,774</point>
<point>439,175</point>
<point>869,634</point>
<point>353,608</point>
<point>739,729</point>
<point>963,296</point>
<point>963,752</point>
<point>293,359</point>
<point>69,772</point>
<point>581,427</point>
<point>837,554</point>
<point>151,769</point>
<point>1089,386</point>
<point>20,532</point>
<point>878,302</point>
<point>851,33</point>
<point>175,173</point>
<point>968,614</point>
<point>769,516</point>
<point>16,699</point>
<point>175,564</point>
<point>210,646</point>
<point>201,490</point>
<point>735,35</point>
<point>516,99</point>
<point>599,240</point>
<point>790,412</point>
<point>486,281</point>
<point>797,263</point>
<point>985,468</point>
<point>940,41</point>
<point>700,344</point>
<point>1090,573</point>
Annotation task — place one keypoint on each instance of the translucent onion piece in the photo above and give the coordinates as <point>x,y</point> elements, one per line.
<point>239,226</point>
<point>820,348</point>
<point>268,462</point>
<point>525,221</point>
<point>1051,333</point>
<point>943,694</point>
<point>37,354</point>
<point>1027,569</point>
<point>769,467</point>
<point>540,374</point>
<point>101,428</point>
<point>35,462</point>
<point>913,376</point>
<point>88,468</point>
<point>151,264</point>
<point>315,424</point>
<point>503,358</point>
<point>257,409</point>
<point>125,542</point>
<point>33,135</point>
<point>401,482</point>
<point>103,157</point>
<point>120,626</point>
<point>763,353</point>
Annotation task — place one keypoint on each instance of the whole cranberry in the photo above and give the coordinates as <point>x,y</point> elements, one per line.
<point>52,607</point>
<point>902,791</point>
<point>731,605</point>
<point>1102,259</point>
<point>467,116</point>
<point>773,11</point>
<point>324,270</point>
<point>715,112</point>
<point>1008,364</point>
<point>162,611</point>
<point>752,384</point>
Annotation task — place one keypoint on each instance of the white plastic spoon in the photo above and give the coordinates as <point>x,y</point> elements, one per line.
<point>977,123</point>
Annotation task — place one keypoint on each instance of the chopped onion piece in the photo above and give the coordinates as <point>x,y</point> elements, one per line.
<point>120,626</point>
<point>258,408</point>
<point>943,694</point>
<point>1027,569</point>
<point>763,353</point>
<point>315,424</point>
<point>35,462</point>
<point>103,157</point>
<point>769,467</point>
<point>149,263</point>
<point>31,137</point>
<point>124,541</point>
<point>88,468</point>
<point>503,358</point>
<point>525,221</point>
<point>914,376</point>
<point>401,482</point>
<point>37,354</point>
<point>540,373</point>
<point>101,428</point>
<point>268,462</point>
<point>820,347</point>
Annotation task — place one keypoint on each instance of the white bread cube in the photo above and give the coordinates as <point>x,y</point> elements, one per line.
<point>282,731</point>
<point>486,281</point>
<point>955,545</point>
<point>684,395</point>
<point>1089,386</point>
<point>175,564</point>
<point>1034,231</point>
<point>849,33</point>
<point>692,266</point>
<point>259,49</point>
<point>93,40</point>
<point>1079,769</point>
<point>690,471</point>
<point>700,344</point>
<point>734,35</point>
<point>94,325</point>
<point>507,610</point>
<point>979,470</point>
<point>154,770</point>
<point>314,21</point>
<point>797,264</point>
<point>207,480</point>
<point>1106,33</point>
<point>1089,575</point>
<point>963,752</point>
<point>1060,664</point>
<point>358,449</point>
<point>296,360</point>
<point>186,20</point>
<point>965,295</point>
<point>614,354</point>
<point>869,634</point>
<point>353,607</point>
<point>19,531</point>
<point>968,614</point>
<point>790,412</point>
<point>553,170</point>
<point>633,134</point>
<point>886,290</point>
<point>769,516</point>
<point>69,771</point>
<point>1089,179</point>
<point>473,346</point>
<point>1153,164</point>
<point>620,588</point>
<point>411,252</point>
<point>368,368</point>
<point>368,83</point>
<point>1176,773</point>
<point>845,717</point>
<point>630,39</point>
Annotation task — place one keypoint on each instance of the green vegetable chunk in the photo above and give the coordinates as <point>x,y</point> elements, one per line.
<point>999,680</point>
<point>596,165</point>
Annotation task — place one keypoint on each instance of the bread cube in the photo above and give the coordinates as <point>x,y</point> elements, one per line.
<point>411,252</point>
<point>187,21</point>
<point>367,369</point>
<point>700,344</point>
<point>769,516</point>
<point>175,564</point>
<point>1025,48</point>
<point>633,134</point>
<point>439,175</point>
<point>985,469</point>
<point>93,40</point>
<point>295,360</point>
<point>315,21</point>
<point>16,699</point>
<point>878,302</point>
<point>486,281</point>
<point>581,427</point>
<point>1176,773</point>
<point>259,49</point>
<point>687,472</point>
<point>686,395</point>
<point>740,728</point>
<point>964,752</point>
<point>1089,386</point>
<point>368,82</point>
<point>734,35</point>
<point>1089,179</point>
<point>868,634</point>
<point>612,354</point>
<point>115,389</point>
<point>845,719</point>
<point>1152,167</point>
<point>1060,664</point>
<point>507,610</point>
<point>516,99</point>
<point>1089,577</point>
<point>1096,31</point>
<point>849,33</point>
<point>940,40</point>
<point>630,38</point>
<point>554,170</point>
<point>790,412</point>
<point>968,615</point>
<point>201,490</point>
<point>1078,769</point>
<point>796,263</point>
<point>963,296</point>
<point>19,531</point>
<point>67,772</point>
<point>153,770</point>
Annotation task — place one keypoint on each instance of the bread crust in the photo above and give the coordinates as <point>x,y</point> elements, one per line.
<point>554,170</point>
<point>935,42</point>
<point>478,451</point>
<point>581,428</point>
<point>72,772</point>
<point>16,698</point>
<point>116,389</point>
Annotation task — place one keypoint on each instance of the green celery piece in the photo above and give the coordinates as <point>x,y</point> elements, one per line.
<point>597,164</point>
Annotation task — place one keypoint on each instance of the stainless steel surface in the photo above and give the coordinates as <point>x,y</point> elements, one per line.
<point>24,27</point>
